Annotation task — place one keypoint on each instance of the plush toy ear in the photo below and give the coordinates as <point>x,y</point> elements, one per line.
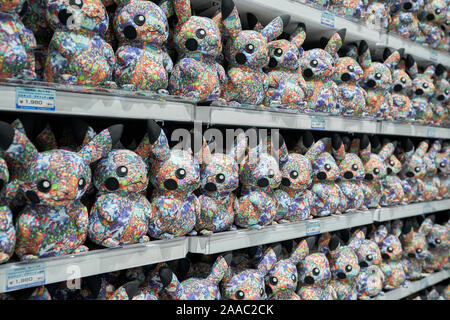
<point>317,149</point>
<point>335,42</point>
<point>127,291</point>
<point>430,71</point>
<point>354,146</point>
<point>267,262</point>
<point>421,149</point>
<point>254,23</point>
<point>239,147</point>
<point>82,132</point>
<point>334,245</point>
<point>16,144</point>
<point>154,143</point>
<point>365,148</point>
<point>364,58</point>
<point>167,7</point>
<point>352,51</point>
<point>299,35</point>
<point>440,71</point>
<point>311,241</point>
<point>322,244</point>
<point>393,59</point>
<point>305,141</point>
<point>338,147</point>
<point>170,281</point>
<point>435,148</point>
<point>275,27</point>
<point>356,240</point>
<point>278,148</point>
<point>220,267</point>
<point>412,67</point>
<point>426,226</point>
<point>380,233</point>
<point>183,10</point>
<point>300,252</point>
<point>387,150</point>
<point>230,18</point>
<point>102,144</point>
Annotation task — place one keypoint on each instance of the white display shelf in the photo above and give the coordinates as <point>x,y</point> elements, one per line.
<point>414,286</point>
<point>410,210</point>
<point>56,269</point>
<point>410,130</point>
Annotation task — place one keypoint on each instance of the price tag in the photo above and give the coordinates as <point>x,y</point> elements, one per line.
<point>433,56</point>
<point>35,99</point>
<point>427,207</point>
<point>312,227</point>
<point>327,19</point>
<point>25,277</point>
<point>317,122</point>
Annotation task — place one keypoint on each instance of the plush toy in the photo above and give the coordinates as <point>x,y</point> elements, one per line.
<point>430,180</point>
<point>7,231</point>
<point>422,92</point>
<point>175,174</point>
<point>444,44</point>
<point>320,4</point>
<point>352,173</point>
<point>438,244</point>
<point>286,82</point>
<point>431,16</point>
<point>78,53</point>
<point>197,74</point>
<point>344,267</point>
<point>351,101</point>
<point>443,169</point>
<point>142,61</point>
<point>415,248</point>
<point>219,177</point>
<point>441,97</point>
<point>351,9</point>
<point>247,53</point>
<point>393,266</point>
<point>55,223</point>
<point>314,274</point>
<point>401,108</point>
<point>196,288</point>
<point>370,279</point>
<point>121,212</point>
<point>318,67</point>
<point>17,43</point>
<point>249,284</point>
<point>377,80</point>
<point>413,171</point>
<point>376,14</point>
<point>404,19</point>
<point>295,200</point>
<point>259,175</point>
<point>392,184</point>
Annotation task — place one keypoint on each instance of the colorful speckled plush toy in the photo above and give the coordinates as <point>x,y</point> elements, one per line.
<point>415,247</point>
<point>393,266</point>
<point>56,222</point>
<point>430,180</point>
<point>197,74</point>
<point>318,67</point>
<point>351,101</point>
<point>438,239</point>
<point>377,81</point>
<point>320,4</point>
<point>121,212</point>
<point>247,53</point>
<point>142,60</point>
<point>78,53</point>
<point>392,184</point>
<point>443,170</point>
<point>352,173</point>
<point>441,97</point>
<point>286,82</point>
<point>422,92</point>
<point>413,171</point>
<point>17,43</point>
<point>431,16</point>
<point>352,9</point>
<point>249,284</point>
<point>196,288</point>
<point>175,174</point>
<point>375,169</point>
<point>377,14</point>
<point>401,108</point>
<point>404,19</point>
<point>7,230</point>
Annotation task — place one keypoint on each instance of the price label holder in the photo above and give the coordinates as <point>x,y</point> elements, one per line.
<point>312,227</point>
<point>318,122</point>
<point>327,19</point>
<point>35,99</point>
<point>25,277</point>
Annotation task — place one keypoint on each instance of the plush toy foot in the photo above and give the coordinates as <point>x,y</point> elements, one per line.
<point>219,102</point>
<point>81,249</point>
<point>68,79</point>
<point>3,257</point>
<point>405,285</point>
<point>233,228</point>
<point>378,207</point>
<point>144,239</point>
<point>206,232</point>
<point>128,87</point>
<point>110,243</point>
<point>192,233</point>
<point>234,104</point>
<point>27,75</point>
<point>381,293</point>
<point>163,91</point>
<point>274,223</point>
<point>29,257</point>
<point>166,236</point>
<point>282,221</point>
<point>193,95</point>
<point>109,85</point>
<point>255,227</point>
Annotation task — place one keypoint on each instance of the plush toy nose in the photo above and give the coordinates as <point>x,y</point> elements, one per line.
<point>32,196</point>
<point>309,280</point>
<point>363,264</point>
<point>410,174</point>
<point>431,245</point>
<point>263,182</point>
<point>441,97</point>
<point>345,77</point>
<point>170,184</point>
<point>130,32</point>
<point>112,184</point>
<point>321,175</point>
<point>368,176</point>
<point>419,92</point>
<point>211,187</point>
<point>385,256</point>
<point>430,17</point>
<point>407,6</point>
<point>308,73</point>
<point>241,58</point>
<point>371,83</point>
<point>398,88</point>
<point>411,255</point>
<point>191,44</point>
<point>272,62</point>
<point>389,170</point>
<point>348,175</point>
<point>341,275</point>
<point>285,182</point>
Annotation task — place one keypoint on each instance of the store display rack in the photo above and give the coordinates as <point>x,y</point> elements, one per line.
<point>16,275</point>
<point>414,286</point>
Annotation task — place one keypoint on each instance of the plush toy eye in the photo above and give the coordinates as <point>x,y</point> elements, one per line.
<point>139,19</point>
<point>316,271</point>
<point>442,165</point>
<point>293,174</point>
<point>274,280</point>
<point>391,163</point>
<point>81,183</point>
<point>419,250</point>
<point>355,167</point>
<point>390,249</point>
<point>278,52</point>
<point>378,75</point>
<point>77,3</point>
<point>200,33</point>
<point>351,68</point>
<point>314,63</point>
<point>122,171</point>
<point>438,241</point>
<point>425,85</point>
<point>438,11</point>
<point>261,292</point>
<point>180,173</point>
<point>327,167</point>
<point>249,48</point>
<point>446,91</point>
<point>44,186</point>
<point>376,171</point>
<point>294,278</point>
<point>417,169</point>
<point>240,294</point>
<point>348,268</point>
<point>369,257</point>
<point>220,178</point>
<point>403,80</point>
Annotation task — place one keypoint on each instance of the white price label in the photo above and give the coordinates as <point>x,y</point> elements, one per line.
<point>327,19</point>
<point>317,122</point>
<point>25,277</point>
<point>35,99</point>
<point>312,227</point>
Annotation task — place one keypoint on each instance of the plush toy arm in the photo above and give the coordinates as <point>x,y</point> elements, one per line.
<point>64,44</point>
